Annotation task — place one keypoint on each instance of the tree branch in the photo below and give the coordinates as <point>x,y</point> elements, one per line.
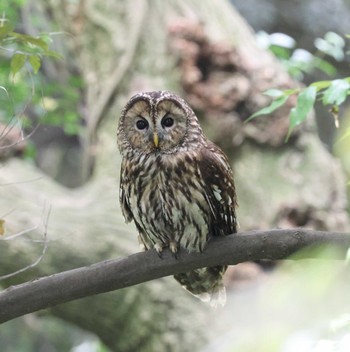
<point>115,274</point>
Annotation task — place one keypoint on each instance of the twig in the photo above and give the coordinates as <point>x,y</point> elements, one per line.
<point>43,252</point>
<point>141,267</point>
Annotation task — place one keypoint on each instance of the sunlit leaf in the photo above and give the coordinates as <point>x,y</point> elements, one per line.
<point>49,103</point>
<point>283,40</point>
<point>17,62</point>
<point>35,62</point>
<point>321,84</point>
<point>272,107</point>
<point>299,113</point>
<point>274,93</point>
<point>336,93</point>
<point>332,44</point>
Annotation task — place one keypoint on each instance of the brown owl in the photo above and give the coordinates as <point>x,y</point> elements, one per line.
<point>175,184</point>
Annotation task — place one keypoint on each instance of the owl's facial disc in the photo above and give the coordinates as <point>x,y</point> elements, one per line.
<point>138,126</point>
<point>170,125</point>
<point>161,127</point>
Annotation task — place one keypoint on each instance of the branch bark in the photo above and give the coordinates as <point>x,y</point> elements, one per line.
<point>141,267</point>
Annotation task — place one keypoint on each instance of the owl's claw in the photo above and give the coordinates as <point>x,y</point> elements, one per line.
<point>173,246</point>
<point>142,246</point>
<point>159,248</point>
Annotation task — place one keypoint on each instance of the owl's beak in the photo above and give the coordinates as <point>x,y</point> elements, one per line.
<point>155,139</point>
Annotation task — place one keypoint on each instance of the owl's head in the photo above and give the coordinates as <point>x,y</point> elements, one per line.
<point>156,122</point>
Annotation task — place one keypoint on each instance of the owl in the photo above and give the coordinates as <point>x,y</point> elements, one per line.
<point>175,184</point>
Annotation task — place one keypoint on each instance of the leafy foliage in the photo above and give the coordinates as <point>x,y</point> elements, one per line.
<point>279,99</point>
<point>331,93</point>
<point>298,61</point>
<point>21,82</point>
<point>305,103</point>
<point>26,48</point>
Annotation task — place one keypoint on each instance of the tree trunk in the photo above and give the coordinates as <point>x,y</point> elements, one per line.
<point>121,48</point>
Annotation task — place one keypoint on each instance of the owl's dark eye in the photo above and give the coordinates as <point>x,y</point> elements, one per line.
<point>167,121</point>
<point>141,124</point>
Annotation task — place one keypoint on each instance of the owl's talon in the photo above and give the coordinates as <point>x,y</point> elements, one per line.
<point>142,246</point>
<point>173,246</point>
<point>159,248</point>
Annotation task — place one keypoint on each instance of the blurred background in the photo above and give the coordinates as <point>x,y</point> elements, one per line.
<point>67,69</point>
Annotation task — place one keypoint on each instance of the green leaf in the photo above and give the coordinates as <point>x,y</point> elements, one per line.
<point>336,93</point>
<point>52,53</point>
<point>291,91</point>
<point>325,66</point>
<point>6,29</point>
<point>274,93</point>
<point>17,62</point>
<point>299,113</point>
<point>37,42</point>
<point>321,84</point>
<point>279,52</point>
<point>269,109</point>
<point>28,39</point>
<point>35,62</point>
<point>332,44</point>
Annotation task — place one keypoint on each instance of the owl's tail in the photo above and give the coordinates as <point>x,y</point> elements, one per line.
<point>206,284</point>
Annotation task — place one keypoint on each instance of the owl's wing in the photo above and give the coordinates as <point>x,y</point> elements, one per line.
<point>123,197</point>
<point>220,189</point>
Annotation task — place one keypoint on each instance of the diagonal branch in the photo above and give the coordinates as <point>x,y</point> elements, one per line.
<point>141,267</point>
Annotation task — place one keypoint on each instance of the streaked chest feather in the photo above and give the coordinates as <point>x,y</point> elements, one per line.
<point>167,201</point>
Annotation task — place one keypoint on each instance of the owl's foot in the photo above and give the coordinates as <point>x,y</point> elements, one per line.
<point>142,246</point>
<point>174,248</point>
<point>159,248</point>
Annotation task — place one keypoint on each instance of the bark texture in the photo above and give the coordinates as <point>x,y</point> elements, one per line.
<point>116,274</point>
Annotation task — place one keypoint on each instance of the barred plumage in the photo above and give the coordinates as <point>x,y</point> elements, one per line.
<point>175,184</point>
